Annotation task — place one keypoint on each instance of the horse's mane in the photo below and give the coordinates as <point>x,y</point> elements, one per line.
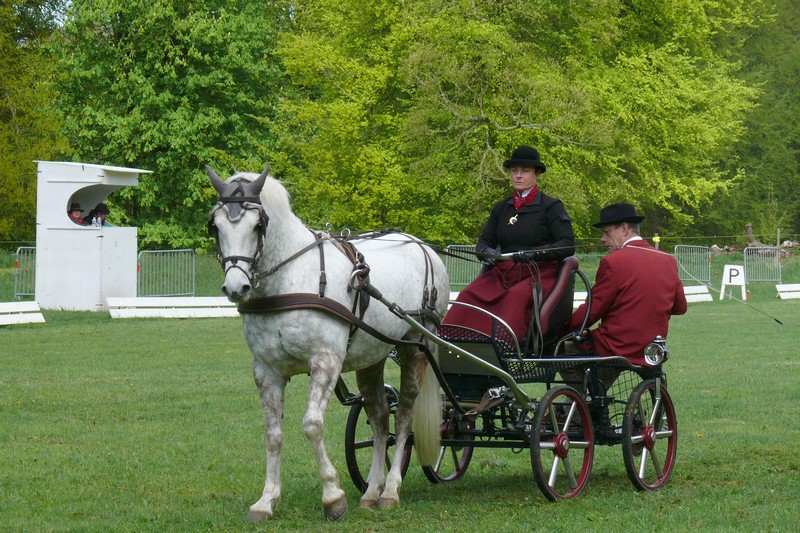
<point>274,197</point>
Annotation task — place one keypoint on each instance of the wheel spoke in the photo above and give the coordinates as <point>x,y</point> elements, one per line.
<point>439,459</point>
<point>663,434</point>
<point>570,473</point>
<point>653,454</point>
<point>554,471</point>
<point>655,420</point>
<point>554,419</point>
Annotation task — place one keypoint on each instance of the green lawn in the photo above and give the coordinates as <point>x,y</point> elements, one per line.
<point>155,425</point>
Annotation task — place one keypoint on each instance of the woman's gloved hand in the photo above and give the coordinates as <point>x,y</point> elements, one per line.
<point>490,256</point>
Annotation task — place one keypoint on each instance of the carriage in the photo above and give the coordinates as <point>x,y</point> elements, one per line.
<point>305,299</point>
<point>603,401</point>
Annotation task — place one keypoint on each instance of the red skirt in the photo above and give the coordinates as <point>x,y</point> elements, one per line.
<point>505,291</point>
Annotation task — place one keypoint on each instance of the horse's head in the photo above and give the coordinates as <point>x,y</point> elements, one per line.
<point>238,223</point>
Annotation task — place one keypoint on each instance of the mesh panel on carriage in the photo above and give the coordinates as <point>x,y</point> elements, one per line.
<point>468,380</point>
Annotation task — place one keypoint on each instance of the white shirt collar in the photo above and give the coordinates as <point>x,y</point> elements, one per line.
<point>526,192</point>
<point>634,238</point>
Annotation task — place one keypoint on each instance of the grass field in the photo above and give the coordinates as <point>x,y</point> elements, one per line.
<point>155,425</point>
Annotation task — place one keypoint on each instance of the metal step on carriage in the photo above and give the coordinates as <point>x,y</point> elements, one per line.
<point>486,406</point>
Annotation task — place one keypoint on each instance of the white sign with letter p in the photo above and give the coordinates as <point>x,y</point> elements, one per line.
<point>733,275</point>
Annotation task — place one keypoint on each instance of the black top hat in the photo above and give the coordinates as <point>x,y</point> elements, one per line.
<point>74,206</point>
<point>525,156</point>
<point>617,214</point>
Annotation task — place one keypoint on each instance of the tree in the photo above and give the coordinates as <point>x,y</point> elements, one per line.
<point>405,112</point>
<point>170,86</point>
<point>769,153</point>
<point>28,125</point>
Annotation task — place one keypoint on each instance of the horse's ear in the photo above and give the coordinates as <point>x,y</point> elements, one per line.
<point>218,184</point>
<point>257,184</point>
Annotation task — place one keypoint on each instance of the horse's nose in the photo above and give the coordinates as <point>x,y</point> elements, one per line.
<point>238,294</point>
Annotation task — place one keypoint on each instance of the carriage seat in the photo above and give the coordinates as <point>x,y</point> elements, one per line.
<point>557,308</point>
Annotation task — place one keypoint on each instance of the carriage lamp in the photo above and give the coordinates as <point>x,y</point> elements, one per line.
<point>656,352</point>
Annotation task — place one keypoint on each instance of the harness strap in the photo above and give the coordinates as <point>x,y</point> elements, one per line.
<point>323,277</point>
<point>318,242</point>
<point>240,199</point>
<point>295,301</point>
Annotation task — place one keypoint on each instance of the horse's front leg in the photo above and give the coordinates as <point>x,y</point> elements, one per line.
<point>271,386</point>
<point>323,376</point>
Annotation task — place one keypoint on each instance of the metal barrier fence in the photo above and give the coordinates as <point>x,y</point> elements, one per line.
<point>762,263</point>
<point>461,270</point>
<point>694,263</point>
<point>165,273</point>
<point>25,272</point>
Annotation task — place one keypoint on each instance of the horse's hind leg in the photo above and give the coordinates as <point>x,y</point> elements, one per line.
<point>370,385</point>
<point>271,386</point>
<point>323,376</point>
<point>412,370</point>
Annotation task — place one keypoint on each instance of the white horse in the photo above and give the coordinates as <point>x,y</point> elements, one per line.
<point>288,282</point>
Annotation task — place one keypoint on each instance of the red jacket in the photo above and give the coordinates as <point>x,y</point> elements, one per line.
<point>636,291</point>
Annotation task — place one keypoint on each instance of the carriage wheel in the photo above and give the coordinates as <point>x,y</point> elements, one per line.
<point>649,436</point>
<point>358,442</point>
<point>452,461</point>
<point>562,444</point>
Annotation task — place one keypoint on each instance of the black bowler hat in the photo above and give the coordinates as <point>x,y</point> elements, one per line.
<point>617,214</point>
<point>75,206</point>
<point>525,156</point>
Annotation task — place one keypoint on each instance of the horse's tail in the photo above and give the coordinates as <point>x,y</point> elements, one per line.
<point>428,417</point>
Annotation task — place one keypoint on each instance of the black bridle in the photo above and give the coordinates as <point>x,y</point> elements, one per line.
<point>233,203</point>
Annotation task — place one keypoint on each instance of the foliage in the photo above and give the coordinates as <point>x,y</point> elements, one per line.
<point>28,129</point>
<point>169,87</point>
<point>770,148</point>
<point>404,113</point>
<point>400,114</point>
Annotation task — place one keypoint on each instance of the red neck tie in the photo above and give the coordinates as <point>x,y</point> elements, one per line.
<point>519,201</point>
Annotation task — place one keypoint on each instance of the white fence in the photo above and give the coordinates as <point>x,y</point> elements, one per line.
<point>165,273</point>
<point>464,268</point>
<point>25,272</point>
<point>694,263</point>
<point>762,263</point>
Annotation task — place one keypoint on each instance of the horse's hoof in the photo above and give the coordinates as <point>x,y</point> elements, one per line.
<point>368,504</point>
<point>258,516</point>
<point>389,503</point>
<point>336,510</point>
